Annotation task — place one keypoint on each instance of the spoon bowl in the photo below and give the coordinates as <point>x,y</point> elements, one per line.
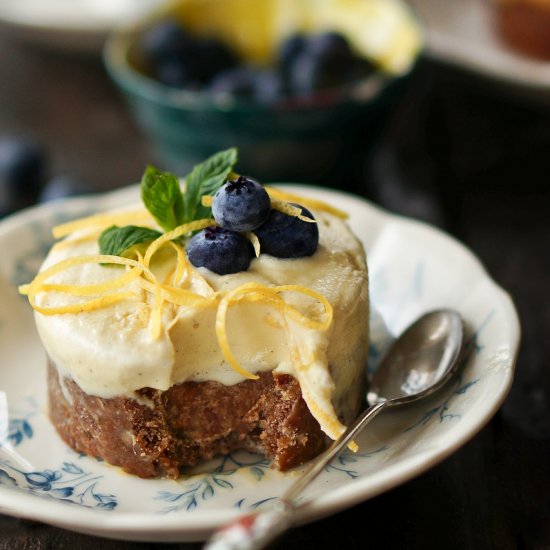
<point>423,358</point>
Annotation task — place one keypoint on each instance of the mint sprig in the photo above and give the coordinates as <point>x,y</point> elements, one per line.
<point>115,241</point>
<point>205,179</point>
<point>161,195</point>
<point>170,207</point>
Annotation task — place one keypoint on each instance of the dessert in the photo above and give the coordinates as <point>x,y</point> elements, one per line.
<point>166,349</point>
<point>525,25</point>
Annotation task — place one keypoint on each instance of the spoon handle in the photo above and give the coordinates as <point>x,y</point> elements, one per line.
<point>255,531</point>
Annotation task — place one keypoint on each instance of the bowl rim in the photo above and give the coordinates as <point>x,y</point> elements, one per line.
<point>121,39</point>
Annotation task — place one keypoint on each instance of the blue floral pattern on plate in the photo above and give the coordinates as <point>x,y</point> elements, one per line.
<point>407,262</point>
<point>203,487</point>
<point>69,484</point>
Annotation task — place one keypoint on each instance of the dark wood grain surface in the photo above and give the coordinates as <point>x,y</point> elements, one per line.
<point>458,152</point>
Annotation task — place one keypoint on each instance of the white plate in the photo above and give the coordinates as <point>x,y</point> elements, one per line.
<point>413,268</point>
<point>464,33</point>
<point>69,24</point>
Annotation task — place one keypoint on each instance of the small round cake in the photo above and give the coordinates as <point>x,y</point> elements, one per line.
<point>156,364</point>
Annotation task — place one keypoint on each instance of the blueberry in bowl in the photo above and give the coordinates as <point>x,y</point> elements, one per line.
<point>295,90</point>
<point>179,59</point>
<point>325,61</point>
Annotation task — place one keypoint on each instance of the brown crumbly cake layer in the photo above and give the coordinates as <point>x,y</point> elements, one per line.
<point>163,432</point>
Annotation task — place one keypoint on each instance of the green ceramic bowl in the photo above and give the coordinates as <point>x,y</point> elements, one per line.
<point>295,140</point>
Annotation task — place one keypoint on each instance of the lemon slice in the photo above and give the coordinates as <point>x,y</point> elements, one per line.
<point>384,31</point>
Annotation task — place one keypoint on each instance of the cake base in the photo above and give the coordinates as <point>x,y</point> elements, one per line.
<point>159,433</point>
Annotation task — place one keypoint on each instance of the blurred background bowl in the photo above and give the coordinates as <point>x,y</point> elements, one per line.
<point>296,138</point>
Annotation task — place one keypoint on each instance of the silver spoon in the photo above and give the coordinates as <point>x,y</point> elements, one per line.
<point>418,363</point>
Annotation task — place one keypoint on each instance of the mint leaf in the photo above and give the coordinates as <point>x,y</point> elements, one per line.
<point>115,240</point>
<point>162,196</point>
<point>205,179</point>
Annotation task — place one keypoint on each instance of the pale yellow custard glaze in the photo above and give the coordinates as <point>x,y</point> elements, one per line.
<point>111,351</point>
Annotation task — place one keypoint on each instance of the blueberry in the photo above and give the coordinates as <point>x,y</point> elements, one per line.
<point>168,52</point>
<point>165,40</point>
<point>326,61</point>
<point>241,205</point>
<point>269,86</point>
<point>287,236</point>
<point>309,75</point>
<point>63,186</point>
<point>289,50</point>
<point>330,47</point>
<point>174,72</point>
<point>236,81</point>
<point>220,250</point>
<point>210,57</point>
<point>249,83</point>
<point>22,173</point>
<point>178,59</point>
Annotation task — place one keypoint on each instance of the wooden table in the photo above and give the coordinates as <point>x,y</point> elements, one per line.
<point>459,153</point>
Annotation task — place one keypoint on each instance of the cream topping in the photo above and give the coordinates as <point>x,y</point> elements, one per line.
<point>111,351</point>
